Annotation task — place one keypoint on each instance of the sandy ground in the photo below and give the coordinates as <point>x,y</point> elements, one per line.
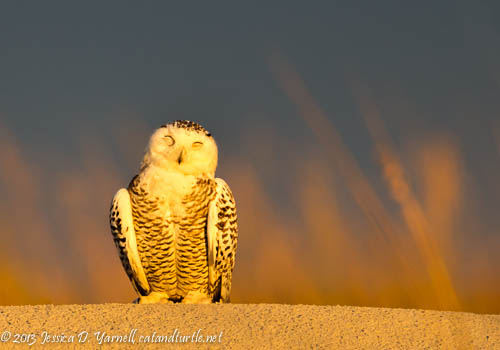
<point>239,326</point>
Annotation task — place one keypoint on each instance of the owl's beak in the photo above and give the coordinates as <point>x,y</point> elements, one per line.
<point>181,157</point>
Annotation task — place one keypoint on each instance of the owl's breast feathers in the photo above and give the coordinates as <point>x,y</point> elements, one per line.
<point>170,222</point>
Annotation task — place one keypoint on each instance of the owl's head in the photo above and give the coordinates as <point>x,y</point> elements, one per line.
<point>182,146</point>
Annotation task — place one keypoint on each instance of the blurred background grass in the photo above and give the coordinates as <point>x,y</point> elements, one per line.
<point>411,237</point>
<point>367,174</point>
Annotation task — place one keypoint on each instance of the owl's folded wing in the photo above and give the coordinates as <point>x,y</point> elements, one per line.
<point>222,236</point>
<point>122,229</point>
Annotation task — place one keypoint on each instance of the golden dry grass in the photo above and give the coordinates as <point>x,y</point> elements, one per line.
<point>340,238</point>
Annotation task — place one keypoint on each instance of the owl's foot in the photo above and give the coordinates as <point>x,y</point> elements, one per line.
<point>154,298</point>
<point>194,297</point>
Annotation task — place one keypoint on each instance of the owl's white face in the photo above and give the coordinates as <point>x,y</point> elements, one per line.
<point>189,152</point>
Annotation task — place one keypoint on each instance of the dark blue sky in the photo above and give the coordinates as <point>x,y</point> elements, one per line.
<point>62,65</point>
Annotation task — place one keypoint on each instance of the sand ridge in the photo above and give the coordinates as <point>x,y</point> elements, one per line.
<point>241,326</point>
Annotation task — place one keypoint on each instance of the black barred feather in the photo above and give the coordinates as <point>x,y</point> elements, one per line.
<point>222,237</point>
<point>119,230</point>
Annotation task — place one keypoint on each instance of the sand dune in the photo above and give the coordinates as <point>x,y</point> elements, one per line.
<point>239,326</point>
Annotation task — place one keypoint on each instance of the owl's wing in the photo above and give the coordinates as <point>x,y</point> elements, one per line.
<point>222,236</point>
<point>122,228</point>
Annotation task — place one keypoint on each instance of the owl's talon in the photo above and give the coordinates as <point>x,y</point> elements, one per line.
<point>196,298</point>
<point>155,298</point>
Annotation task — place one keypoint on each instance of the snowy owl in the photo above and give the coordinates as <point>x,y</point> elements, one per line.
<point>175,225</point>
